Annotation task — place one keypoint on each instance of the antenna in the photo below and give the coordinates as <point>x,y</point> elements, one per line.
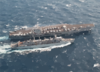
<point>33,33</point>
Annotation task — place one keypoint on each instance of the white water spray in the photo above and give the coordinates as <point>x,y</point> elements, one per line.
<point>6,49</point>
<point>26,51</point>
<point>4,38</point>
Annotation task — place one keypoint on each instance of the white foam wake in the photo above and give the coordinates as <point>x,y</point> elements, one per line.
<point>5,49</point>
<point>4,38</point>
<point>26,51</point>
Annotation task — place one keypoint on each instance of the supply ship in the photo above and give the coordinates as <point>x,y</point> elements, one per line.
<point>51,30</point>
<point>41,43</point>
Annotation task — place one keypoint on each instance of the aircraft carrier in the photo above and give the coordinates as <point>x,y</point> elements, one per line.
<point>52,30</point>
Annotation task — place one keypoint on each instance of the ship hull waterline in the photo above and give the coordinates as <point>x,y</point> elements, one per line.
<point>42,46</point>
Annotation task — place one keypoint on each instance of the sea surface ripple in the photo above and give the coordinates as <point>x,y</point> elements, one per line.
<point>81,56</point>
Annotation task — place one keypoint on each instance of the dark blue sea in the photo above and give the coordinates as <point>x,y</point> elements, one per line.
<point>81,56</point>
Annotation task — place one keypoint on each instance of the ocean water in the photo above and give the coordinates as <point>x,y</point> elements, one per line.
<point>81,56</point>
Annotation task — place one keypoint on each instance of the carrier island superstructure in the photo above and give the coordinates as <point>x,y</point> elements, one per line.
<point>50,30</point>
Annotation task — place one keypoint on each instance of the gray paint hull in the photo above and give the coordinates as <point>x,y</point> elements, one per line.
<point>41,46</point>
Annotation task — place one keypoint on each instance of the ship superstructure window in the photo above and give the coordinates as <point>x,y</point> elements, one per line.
<point>44,32</point>
<point>65,29</point>
<point>88,25</point>
<point>30,32</point>
<point>51,38</point>
<point>69,29</point>
<point>74,28</point>
<point>27,33</point>
<point>47,31</point>
<point>53,30</point>
<point>24,34</point>
<point>81,26</point>
<point>59,30</point>
<point>50,30</point>
<point>14,34</point>
<point>57,27</point>
<point>64,26</point>
<point>56,30</point>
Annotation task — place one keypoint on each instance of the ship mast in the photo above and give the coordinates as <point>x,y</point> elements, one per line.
<point>36,30</point>
<point>33,33</point>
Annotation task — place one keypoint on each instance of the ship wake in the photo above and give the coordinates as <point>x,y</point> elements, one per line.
<point>5,49</point>
<point>4,38</point>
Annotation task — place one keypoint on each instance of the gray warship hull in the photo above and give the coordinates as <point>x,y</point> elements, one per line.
<point>42,46</point>
<point>41,43</point>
